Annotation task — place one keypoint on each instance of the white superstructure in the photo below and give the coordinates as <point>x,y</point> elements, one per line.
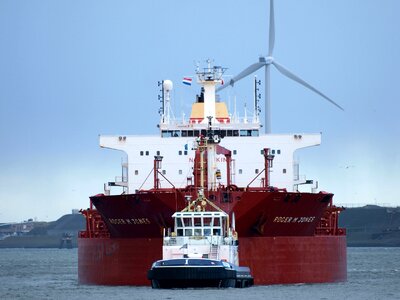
<point>176,145</point>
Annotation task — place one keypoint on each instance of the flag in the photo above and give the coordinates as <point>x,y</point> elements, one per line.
<point>187,81</point>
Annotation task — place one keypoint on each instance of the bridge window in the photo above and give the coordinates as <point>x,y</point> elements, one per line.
<point>166,133</point>
<point>245,132</point>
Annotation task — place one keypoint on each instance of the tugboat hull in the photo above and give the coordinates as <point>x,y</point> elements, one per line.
<point>187,273</point>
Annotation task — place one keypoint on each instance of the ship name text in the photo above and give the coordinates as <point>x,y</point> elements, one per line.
<point>130,221</point>
<point>294,219</point>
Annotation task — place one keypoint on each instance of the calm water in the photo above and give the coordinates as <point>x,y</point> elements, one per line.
<point>373,273</point>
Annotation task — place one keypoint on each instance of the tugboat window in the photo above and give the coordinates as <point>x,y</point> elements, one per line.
<point>141,153</point>
<point>147,153</point>
<point>179,222</point>
<point>187,222</point>
<point>197,222</point>
<point>207,221</point>
<point>216,232</point>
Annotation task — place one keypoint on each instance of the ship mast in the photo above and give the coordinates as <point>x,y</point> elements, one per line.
<point>209,78</point>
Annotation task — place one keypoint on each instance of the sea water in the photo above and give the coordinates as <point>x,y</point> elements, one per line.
<point>373,273</point>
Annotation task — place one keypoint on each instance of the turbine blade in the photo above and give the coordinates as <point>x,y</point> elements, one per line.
<point>289,74</point>
<point>271,28</point>
<point>251,69</point>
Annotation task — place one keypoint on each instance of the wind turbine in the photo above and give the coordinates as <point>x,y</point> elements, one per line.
<point>267,62</point>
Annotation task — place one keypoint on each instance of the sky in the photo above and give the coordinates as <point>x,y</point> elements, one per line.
<point>71,70</point>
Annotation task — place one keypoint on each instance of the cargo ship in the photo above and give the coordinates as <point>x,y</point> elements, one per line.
<point>286,236</point>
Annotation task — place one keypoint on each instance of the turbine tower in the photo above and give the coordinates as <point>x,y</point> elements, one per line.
<point>267,62</point>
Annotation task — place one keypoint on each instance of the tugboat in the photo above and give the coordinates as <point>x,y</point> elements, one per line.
<point>202,251</point>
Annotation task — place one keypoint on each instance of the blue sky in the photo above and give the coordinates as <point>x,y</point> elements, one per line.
<point>71,70</point>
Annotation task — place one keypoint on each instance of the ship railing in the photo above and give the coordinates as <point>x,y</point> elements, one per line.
<point>121,178</point>
<point>329,223</point>
<point>95,226</point>
<point>197,240</point>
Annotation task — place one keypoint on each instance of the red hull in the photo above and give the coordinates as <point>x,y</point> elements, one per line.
<point>272,260</point>
<point>258,213</point>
